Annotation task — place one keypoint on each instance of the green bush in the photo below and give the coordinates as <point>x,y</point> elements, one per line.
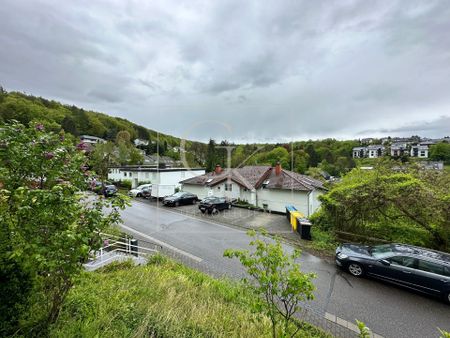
<point>126,184</point>
<point>409,206</point>
<point>16,286</point>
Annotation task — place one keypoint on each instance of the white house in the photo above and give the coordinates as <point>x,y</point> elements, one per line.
<point>271,188</point>
<point>399,149</point>
<point>140,142</point>
<point>420,150</point>
<point>359,152</point>
<point>91,139</point>
<point>169,177</point>
<point>374,151</point>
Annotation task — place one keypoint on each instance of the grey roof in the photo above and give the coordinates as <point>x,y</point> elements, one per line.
<point>375,147</point>
<point>91,137</point>
<point>253,177</point>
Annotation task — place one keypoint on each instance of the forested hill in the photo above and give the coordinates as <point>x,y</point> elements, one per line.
<point>77,121</point>
<point>312,157</point>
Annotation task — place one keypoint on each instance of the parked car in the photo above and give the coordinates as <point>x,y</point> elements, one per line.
<point>109,190</point>
<point>180,198</point>
<point>212,205</point>
<point>147,192</point>
<point>421,269</point>
<point>137,192</point>
<point>98,186</point>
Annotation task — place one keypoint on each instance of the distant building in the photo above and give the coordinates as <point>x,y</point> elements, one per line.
<point>359,152</point>
<point>140,142</point>
<point>420,150</point>
<point>270,188</point>
<point>432,165</point>
<point>165,161</point>
<point>168,178</point>
<point>374,151</point>
<point>91,139</point>
<point>368,140</point>
<point>399,149</point>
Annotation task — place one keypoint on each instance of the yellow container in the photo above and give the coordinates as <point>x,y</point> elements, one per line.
<point>294,215</point>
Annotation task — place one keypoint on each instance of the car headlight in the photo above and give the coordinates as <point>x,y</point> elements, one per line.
<point>340,255</point>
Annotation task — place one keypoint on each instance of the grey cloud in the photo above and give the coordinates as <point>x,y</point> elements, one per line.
<point>278,70</point>
<point>439,126</point>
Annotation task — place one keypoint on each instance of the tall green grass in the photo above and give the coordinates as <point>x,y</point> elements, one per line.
<point>161,299</point>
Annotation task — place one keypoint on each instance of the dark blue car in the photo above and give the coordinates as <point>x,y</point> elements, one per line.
<point>424,270</point>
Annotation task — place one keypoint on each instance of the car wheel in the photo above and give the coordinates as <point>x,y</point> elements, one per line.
<point>177,204</point>
<point>203,211</point>
<point>139,195</point>
<point>229,206</point>
<point>355,269</point>
<point>447,297</point>
<point>194,201</point>
<point>215,211</point>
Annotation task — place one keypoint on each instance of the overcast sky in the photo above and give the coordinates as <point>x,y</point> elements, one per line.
<point>240,70</point>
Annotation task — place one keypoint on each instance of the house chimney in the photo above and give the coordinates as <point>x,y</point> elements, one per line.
<point>218,169</point>
<point>278,168</point>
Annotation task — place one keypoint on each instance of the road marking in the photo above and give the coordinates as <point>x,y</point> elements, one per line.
<point>167,246</point>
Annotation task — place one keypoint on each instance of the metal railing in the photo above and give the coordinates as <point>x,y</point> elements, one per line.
<point>116,246</point>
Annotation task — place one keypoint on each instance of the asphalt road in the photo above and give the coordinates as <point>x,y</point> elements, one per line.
<point>389,311</point>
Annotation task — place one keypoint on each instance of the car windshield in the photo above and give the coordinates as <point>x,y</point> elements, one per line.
<point>178,194</point>
<point>209,199</point>
<point>381,251</point>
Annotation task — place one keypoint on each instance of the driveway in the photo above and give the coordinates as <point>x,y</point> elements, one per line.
<point>275,224</point>
<point>387,310</point>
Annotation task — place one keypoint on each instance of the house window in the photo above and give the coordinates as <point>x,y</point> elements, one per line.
<point>131,174</point>
<point>228,187</point>
<point>422,153</point>
<point>125,174</point>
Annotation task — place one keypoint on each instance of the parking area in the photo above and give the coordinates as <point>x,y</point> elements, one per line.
<point>275,224</point>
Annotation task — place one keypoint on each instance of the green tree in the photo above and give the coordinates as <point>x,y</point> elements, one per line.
<point>440,152</point>
<point>103,156</point>
<point>123,136</point>
<point>278,154</point>
<point>277,281</point>
<point>301,159</point>
<point>314,157</point>
<point>136,156</point>
<point>373,199</point>
<point>69,125</point>
<point>47,225</point>
<point>211,157</point>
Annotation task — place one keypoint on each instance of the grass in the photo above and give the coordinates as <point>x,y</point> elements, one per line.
<point>161,299</point>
